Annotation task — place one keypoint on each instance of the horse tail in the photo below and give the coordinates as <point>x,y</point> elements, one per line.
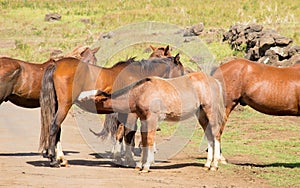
<point>48,103</point>
<point>219,104</point>
<point>110,126</point>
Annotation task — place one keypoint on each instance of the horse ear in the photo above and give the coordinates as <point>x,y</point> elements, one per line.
<point>152,47</point>
<point>177,59</point>
<point>166,50</point>
<point>95,50</point>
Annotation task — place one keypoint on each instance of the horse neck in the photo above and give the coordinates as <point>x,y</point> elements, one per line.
<point>119,104</point>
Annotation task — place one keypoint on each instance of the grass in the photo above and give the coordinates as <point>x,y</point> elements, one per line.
<point>24,21</point>
<point>271,143</point>
<point>265,139</point>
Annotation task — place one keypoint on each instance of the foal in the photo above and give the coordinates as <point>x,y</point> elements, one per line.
<point>154,99</point>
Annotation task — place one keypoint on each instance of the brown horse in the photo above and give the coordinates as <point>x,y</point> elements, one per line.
<point>160,51</point>
<point>154,99</point>
<point>85,53</point>
<point>70,80</point>
<point>267,89</point>
<point>20,81</point>
<point>114,123</point>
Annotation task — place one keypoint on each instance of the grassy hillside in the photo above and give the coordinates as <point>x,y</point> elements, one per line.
<point>23,22</point>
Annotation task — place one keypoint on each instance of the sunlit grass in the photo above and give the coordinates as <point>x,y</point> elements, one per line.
<point>24,20</point>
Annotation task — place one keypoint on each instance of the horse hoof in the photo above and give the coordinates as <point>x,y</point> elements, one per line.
<point>64,163</point>
<point>213,168</point>
<point>138,168</point>
<point>145,170</point>
<point>45,154</point>
<point>54,164</point>
<point>206,168</point>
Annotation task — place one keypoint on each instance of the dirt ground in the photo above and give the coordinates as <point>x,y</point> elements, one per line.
<point>22,166</point>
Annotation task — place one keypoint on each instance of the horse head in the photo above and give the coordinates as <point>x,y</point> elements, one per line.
<point>159,52</point>
<point>85,54</point>
<point>177,68</point>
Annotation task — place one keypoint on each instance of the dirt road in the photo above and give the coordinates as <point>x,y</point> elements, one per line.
<point>22,166</point>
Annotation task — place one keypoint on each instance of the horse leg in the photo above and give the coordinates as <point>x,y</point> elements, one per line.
<point>59,152</point>
<point>148,132</point>
<point>55,130</point>
<point>129,138</point>
<point>223,160</point>
<point>208,123</point>
<point>117,149</point>
<point>213,154</point>
<point>202,118</point>
<point>216,119</point>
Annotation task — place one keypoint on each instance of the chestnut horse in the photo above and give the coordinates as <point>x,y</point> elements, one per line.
<point>70,80</point>
<point>265,88</point>
<point>114,123</point>
<point>20,81</point>
<point>154,99</point>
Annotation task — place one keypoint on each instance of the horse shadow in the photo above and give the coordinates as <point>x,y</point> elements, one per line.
<point>105,160</point>
<point>102,159</point>
<point>20,154</point>
<point>285,165</point>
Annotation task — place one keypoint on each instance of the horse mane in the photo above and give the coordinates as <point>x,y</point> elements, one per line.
<point>147,65</point>
<point>123,90</point>
<point>151,64</point>
<point>128,61</point>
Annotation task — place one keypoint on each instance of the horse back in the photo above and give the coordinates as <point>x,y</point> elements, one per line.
<point>9,68</point>
<point>172,98</point>
<point>10,71</point>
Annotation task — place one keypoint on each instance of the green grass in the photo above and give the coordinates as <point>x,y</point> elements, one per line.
<point>271,143</point>
<point>24,21</point>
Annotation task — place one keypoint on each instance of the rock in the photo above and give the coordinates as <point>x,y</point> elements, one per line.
<point>55,54</point>
<point>288,62</point>
<point>255,27</point>
<point>194,30</point>
<point>85,20</point>
<point>293,50</point>
<point>197,29</point>
<point>52,17</point>
<point>283,41</point>
<point>279,51</point>
<point>263,45</point>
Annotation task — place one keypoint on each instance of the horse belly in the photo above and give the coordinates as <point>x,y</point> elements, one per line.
<point>280,104</point>
<point>24,102</point>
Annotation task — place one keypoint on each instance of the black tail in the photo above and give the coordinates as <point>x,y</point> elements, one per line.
<point>123,90</point>
<point>110,126</point>
<point>48,103</point>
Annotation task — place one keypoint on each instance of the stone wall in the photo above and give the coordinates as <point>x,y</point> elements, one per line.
<point>262,45</point>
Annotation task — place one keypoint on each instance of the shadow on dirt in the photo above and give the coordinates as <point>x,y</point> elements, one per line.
<point>25,154</point>
<point>100,161</point>
<point>285,165</point>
